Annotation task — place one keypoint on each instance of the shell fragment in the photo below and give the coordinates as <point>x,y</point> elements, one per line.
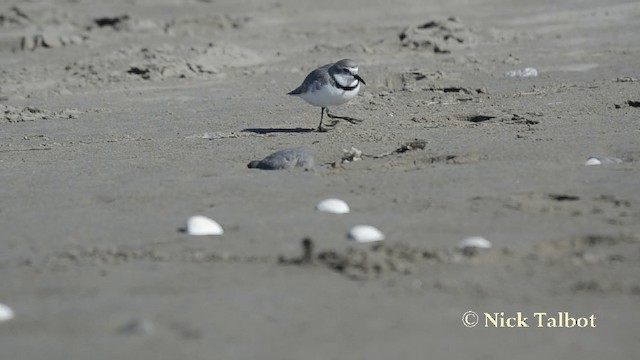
<point>333,206</point>
<point>6,313</point>
<point>202,225</point>
<point>526,72</point>
<point>365,234</point>
<point>602,160</point>
<point>593,161</point>
<point>474,242</point>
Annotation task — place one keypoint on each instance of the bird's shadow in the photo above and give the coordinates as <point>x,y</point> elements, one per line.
<point>277,130</point>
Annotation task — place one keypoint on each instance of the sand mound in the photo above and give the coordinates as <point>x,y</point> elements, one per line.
<point>439,36</point>
<point>161,63</point>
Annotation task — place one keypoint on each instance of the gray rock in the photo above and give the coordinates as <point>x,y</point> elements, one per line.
<point>285,159</point>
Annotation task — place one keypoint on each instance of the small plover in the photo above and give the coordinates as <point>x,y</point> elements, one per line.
<point>329,85</point>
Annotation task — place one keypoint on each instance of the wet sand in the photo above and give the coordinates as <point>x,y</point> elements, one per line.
<point>118,122</point>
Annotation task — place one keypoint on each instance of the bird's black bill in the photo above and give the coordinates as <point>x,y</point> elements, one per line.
<point>359,78</point>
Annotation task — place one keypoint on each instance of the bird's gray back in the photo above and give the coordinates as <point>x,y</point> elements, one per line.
<point>316,79</point>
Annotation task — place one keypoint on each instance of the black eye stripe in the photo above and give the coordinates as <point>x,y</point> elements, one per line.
<point>346,88</point>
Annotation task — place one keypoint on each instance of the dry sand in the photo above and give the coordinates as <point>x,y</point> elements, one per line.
<point>118,122</point>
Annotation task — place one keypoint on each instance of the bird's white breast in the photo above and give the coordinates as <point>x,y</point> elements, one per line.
<point>328,95</point>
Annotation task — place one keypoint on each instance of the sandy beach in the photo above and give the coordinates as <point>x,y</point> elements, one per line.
<point>119,121</point>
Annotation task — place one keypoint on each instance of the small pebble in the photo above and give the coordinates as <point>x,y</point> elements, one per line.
<point>6,313</point>
<point>202,225</point>
<point>285,159</point>
<point>474,242</point>
<point>333,206</point>
<point>351,155</point>
<point>51,38</point>
<point>137,327</point>
<point>365,234</point>
<point>527,72</point>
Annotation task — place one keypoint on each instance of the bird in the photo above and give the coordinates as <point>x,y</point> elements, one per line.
<point>331,85</point>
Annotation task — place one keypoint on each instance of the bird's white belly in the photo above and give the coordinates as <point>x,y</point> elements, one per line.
<point>329,96</point>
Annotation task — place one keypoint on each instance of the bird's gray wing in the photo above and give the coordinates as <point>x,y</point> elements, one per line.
<point>316,79</point>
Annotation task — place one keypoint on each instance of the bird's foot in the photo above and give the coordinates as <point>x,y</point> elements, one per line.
<point>345,118</point>
<point>328,126</point>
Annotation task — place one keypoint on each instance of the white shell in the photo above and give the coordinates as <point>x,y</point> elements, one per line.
<point>526,72</point>
<point>474,242</point>
<point>202,225</point>
<point>365,234</point>
<point>602,160</point>
<point>333,206</point>
<point>6,313</point>
<point>593,161</point>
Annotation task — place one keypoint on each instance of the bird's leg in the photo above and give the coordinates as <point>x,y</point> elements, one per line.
<point>320,128</point>
<point>346,118</point>
<point>324,129</point>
